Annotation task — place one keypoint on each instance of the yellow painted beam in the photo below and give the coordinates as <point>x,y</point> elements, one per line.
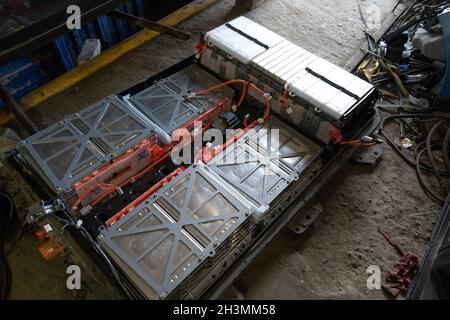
<point>90,67</point>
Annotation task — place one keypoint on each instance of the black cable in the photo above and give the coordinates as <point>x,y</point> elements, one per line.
<point>97,248</point>
<point>445,150</point>
<point>394,145</point>
<point>5,277</point>
<point>421,180</point>
<point>414,15</point>
<point>429,144</point>
<point>436,143</point>
<point>7,210</point>
<point>430,152</point>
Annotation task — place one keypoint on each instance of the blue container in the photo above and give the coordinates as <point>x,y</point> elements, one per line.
<point>29,72</point>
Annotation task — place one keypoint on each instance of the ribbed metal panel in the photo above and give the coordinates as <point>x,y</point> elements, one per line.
<point>283,61</point>
<point>328,88</point>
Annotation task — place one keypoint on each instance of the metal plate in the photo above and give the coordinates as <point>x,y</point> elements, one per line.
<point>265,161</point>
<point>162,241</point>
<point>112,126</point>
<point>69,150</point>
<point>165,105</point>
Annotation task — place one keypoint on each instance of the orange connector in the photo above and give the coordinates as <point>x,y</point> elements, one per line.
<point>50,249</point>
<point>41,234</point>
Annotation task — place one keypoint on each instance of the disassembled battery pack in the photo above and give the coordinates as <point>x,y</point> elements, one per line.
<point>171,229</point>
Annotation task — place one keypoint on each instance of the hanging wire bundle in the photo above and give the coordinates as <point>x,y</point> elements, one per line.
<point>406,81</point>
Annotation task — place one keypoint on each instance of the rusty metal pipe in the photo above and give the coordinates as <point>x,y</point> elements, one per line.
<point>148,24</point>
<point>18,112</point>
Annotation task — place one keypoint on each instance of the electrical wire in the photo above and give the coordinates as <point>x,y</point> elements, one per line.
<point>421,179</point>
<point>285,99</point>
<point>430,152</point>
<point>245,85</point>
<point>110,188</point>
<point>96,246</point>
<point>145,196</point>
<point>445,150</point>
<point>417,12</point>
<point>394,146</point>
<point>6,219</point>
<point>426,146</point>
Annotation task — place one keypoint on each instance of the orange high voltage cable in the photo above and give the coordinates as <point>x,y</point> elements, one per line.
<point>245,85</point>
<point>159,155</point>
<point>144,196</point>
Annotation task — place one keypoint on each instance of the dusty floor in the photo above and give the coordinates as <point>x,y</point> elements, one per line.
<point>331,259</point>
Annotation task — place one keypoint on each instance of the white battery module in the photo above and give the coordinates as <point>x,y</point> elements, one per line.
<point>328,88</point>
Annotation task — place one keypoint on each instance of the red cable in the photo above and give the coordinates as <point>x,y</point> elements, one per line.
<point>144,196</point>
<point>166,150</point>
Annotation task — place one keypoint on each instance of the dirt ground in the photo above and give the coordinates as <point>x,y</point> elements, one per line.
<point>331,259</point>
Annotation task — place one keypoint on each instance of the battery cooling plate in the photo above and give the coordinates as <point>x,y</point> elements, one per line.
<point>71,149</point>
<point>265,161</point>
<point>165,102</point>
<point>163,240</point>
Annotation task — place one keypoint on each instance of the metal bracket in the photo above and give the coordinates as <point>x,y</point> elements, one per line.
<point>368,155</point>
<point>302,222</point>
<point>40,209</point>
<point>310,122</point>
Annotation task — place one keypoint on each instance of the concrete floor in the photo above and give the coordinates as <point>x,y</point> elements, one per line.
<point>331,259</point>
